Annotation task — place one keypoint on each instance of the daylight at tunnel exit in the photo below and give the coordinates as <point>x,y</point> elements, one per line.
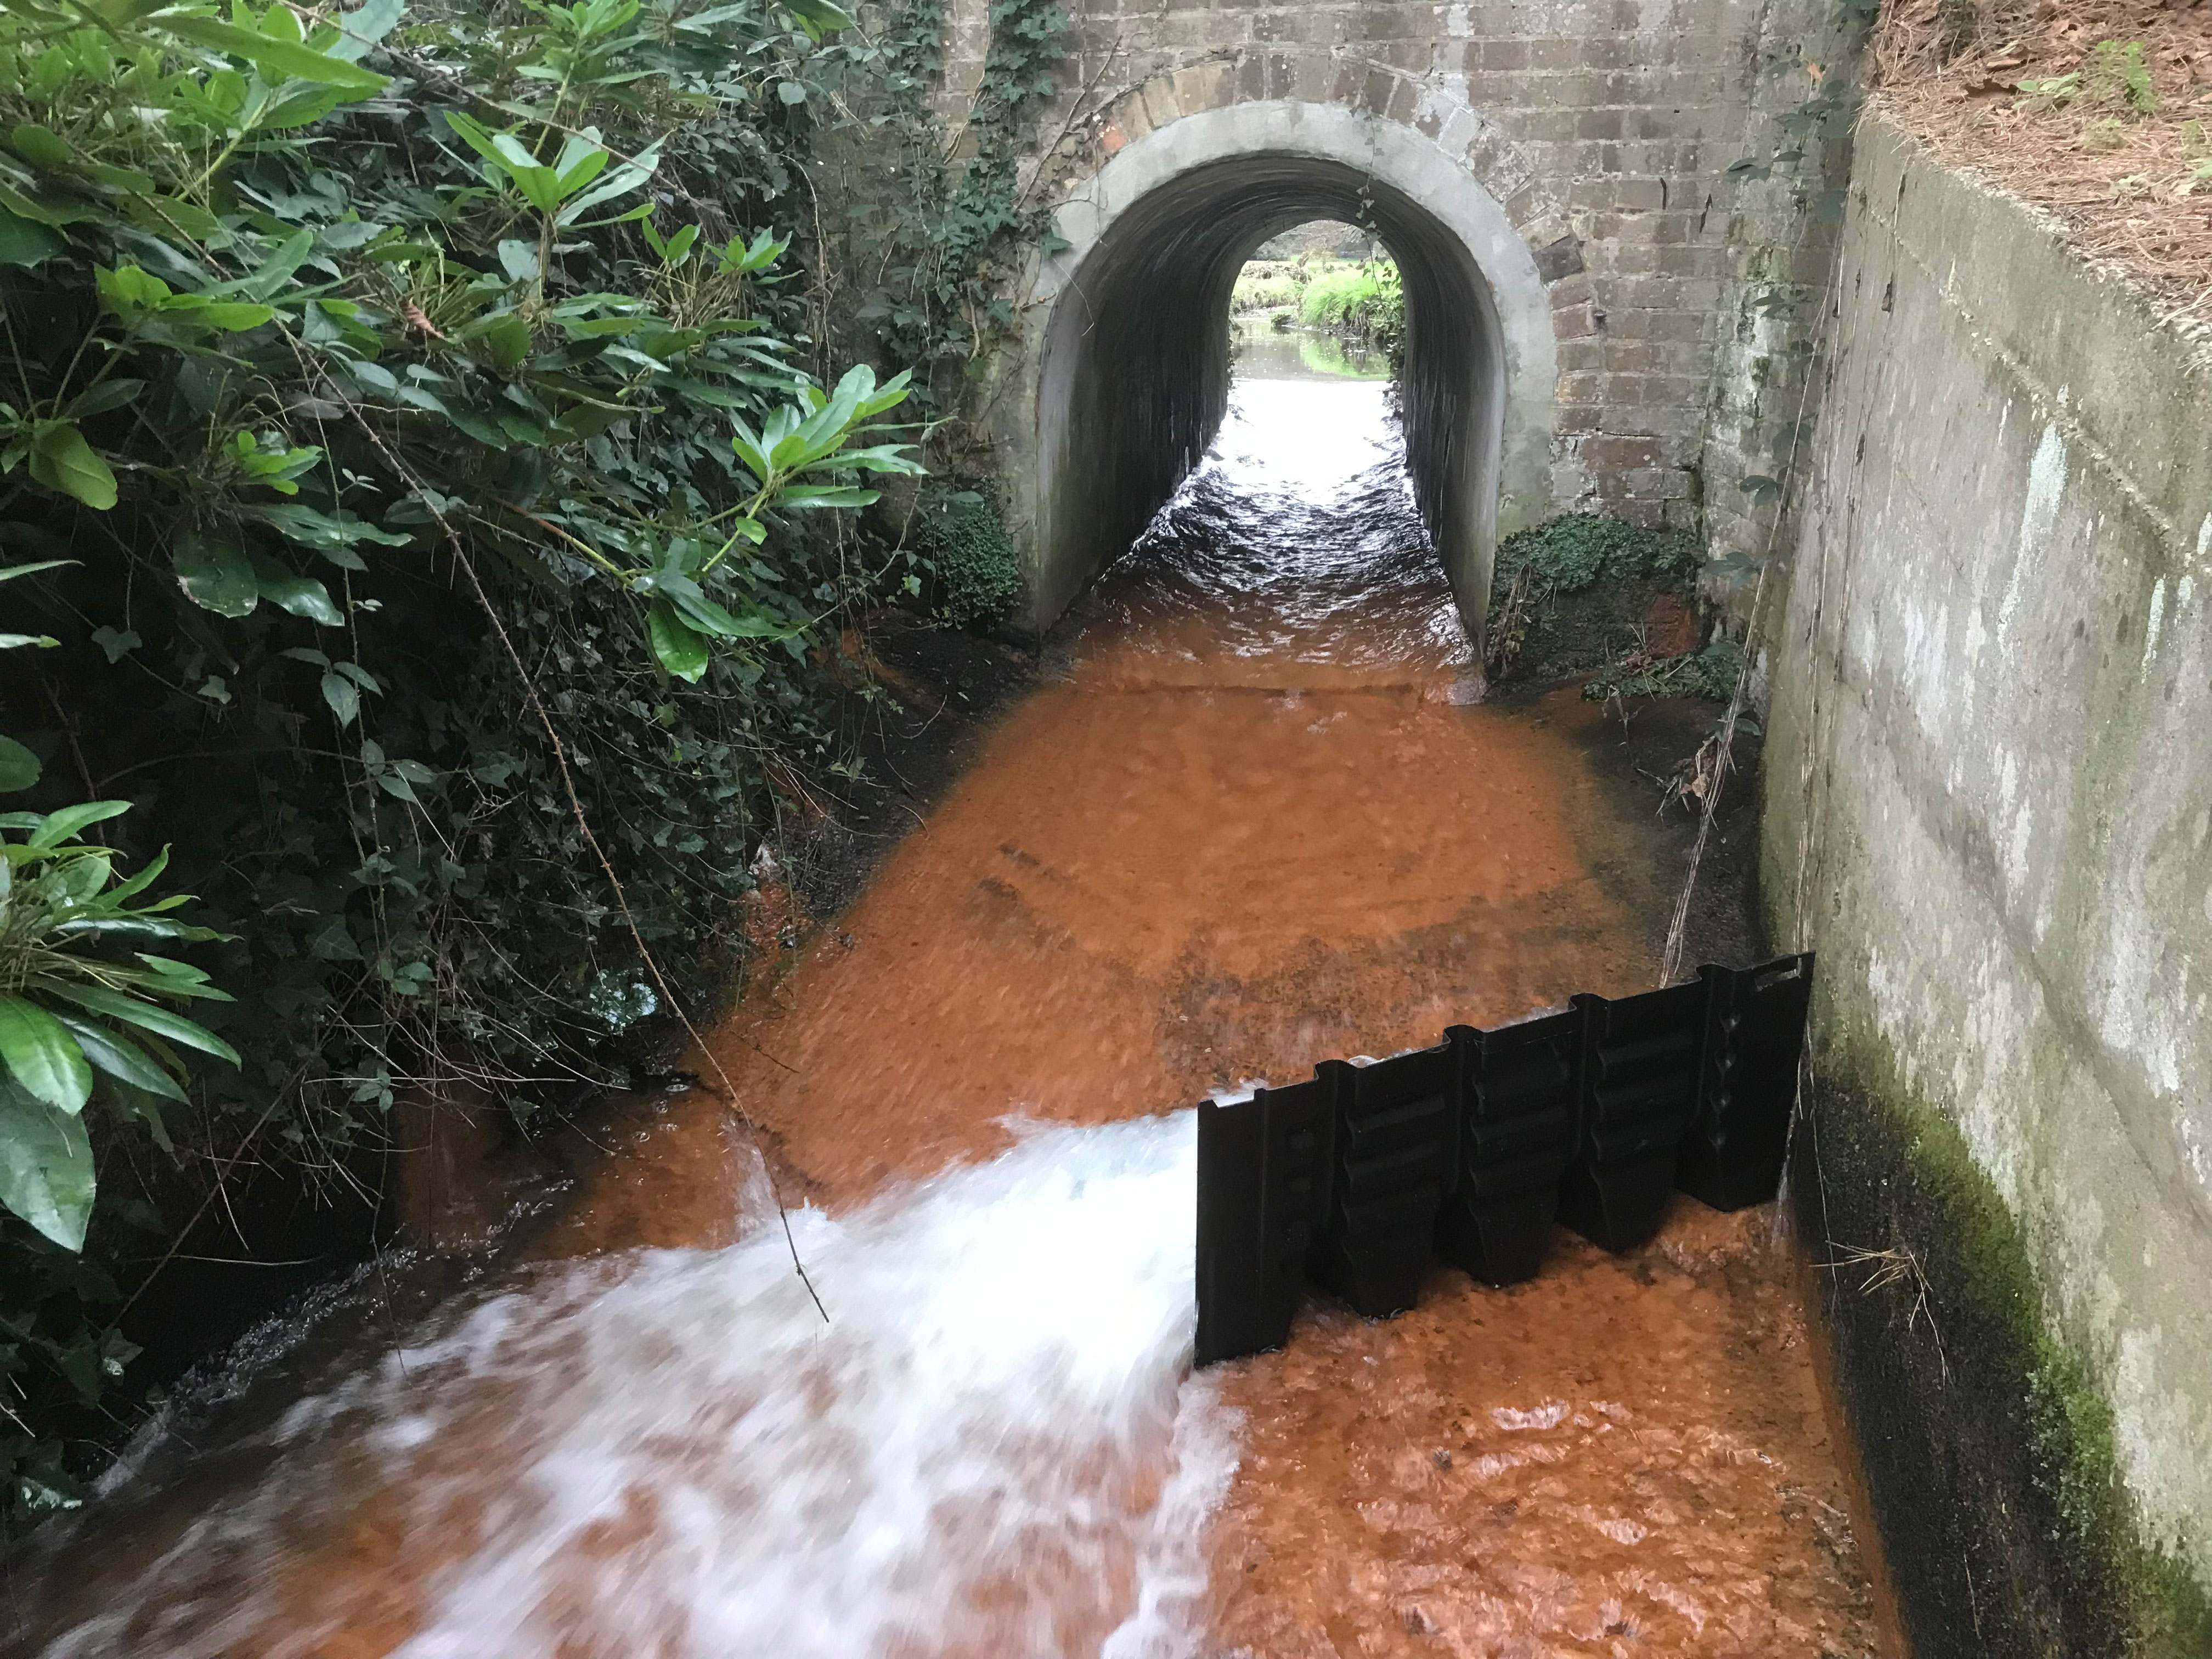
<point>1050,829</point>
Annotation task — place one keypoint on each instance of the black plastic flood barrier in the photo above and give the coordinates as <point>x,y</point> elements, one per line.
<point>1517,1135</point>
<point>1472,1149</point>
<point>1754,1034</point>
<point>1397,1127</point>
<point>1638,1092</point>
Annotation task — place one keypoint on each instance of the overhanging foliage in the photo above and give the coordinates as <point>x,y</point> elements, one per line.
<point>415,416</point>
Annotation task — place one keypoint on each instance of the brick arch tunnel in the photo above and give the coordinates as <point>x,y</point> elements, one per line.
<point>1135,376</point>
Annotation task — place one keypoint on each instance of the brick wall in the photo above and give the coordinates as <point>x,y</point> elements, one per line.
<point>1611,123</point>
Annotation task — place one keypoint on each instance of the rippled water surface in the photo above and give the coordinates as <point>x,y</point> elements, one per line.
<point>1292,555</point>
<point>1257,820</point>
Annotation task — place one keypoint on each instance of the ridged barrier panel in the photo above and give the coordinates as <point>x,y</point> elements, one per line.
<point>1472,1149</point>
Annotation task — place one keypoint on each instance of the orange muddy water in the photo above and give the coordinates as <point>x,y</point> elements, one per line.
<point>1255,818</point>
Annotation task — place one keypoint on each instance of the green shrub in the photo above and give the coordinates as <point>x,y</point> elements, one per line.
<point>1576,554</point>
<point>1366,300</point>
<point>960,537</point>
<point>924,255</point>
<point>356,449</point>
<point>2115,76</point>
<point>1577,549</point>
<point>2118,75</point>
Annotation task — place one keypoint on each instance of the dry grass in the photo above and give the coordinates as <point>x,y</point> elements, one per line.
<point>1899,1267</point>
<point>2133,183</point>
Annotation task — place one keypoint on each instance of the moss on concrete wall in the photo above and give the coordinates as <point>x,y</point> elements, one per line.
<point>1987,1445</point>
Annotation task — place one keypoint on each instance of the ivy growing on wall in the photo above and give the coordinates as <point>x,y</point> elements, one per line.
<point>932,217</point>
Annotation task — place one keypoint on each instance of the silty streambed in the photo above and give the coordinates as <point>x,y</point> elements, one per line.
<point>1257,820</point>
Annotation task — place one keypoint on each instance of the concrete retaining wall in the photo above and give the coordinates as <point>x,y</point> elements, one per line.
<point>1989,808</point>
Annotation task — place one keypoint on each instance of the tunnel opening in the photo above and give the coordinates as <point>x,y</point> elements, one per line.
<point>1137,360</point>
<point>1321,299</point>
<point>1293,554</point>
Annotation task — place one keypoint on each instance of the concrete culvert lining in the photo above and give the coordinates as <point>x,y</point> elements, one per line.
<point>1136,373</point>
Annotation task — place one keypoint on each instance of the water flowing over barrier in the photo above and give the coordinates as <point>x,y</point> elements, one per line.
<point>993,1447</point>
<point>1592,1116</point>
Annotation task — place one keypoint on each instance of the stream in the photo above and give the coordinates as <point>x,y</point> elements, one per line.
<point>1255,817</point>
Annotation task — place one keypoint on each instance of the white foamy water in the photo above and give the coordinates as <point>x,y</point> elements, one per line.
<point>993,1448</point>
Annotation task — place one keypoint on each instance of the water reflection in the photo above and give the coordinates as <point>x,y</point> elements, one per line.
<point>1259,351</point>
